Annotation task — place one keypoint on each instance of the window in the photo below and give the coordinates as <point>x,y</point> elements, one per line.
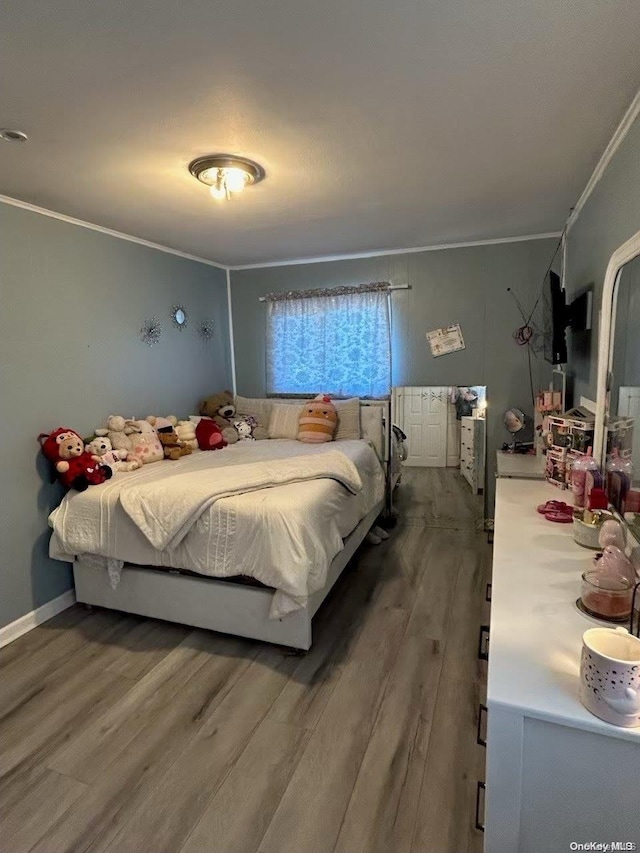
<point>337,345</point>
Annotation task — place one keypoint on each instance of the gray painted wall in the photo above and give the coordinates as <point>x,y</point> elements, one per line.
<point>610,216</point>
<point>466,286</point>
<point>72,303</point>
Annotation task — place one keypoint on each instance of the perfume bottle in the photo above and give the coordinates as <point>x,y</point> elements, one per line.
<point>579,477</point>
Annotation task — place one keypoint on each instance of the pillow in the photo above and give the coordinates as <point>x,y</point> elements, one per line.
<point>348,419</point>
<point>283,422</point>
<point>318,420</point>
<point>256,406</point>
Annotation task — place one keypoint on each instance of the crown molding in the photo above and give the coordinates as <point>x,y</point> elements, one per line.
<point>614,143</point>
<point>70,220</point>
<point>381,252</point>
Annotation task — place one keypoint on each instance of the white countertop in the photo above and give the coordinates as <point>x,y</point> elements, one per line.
<point>536,630</point>
<point>526,466</point>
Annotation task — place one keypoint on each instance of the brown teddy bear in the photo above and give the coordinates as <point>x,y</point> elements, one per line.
<point>221,409</point>
<point>171,444</point>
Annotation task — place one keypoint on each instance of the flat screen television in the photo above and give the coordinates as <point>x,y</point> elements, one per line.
<point>558,317</point>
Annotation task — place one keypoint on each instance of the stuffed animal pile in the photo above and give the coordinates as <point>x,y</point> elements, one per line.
<point>221,409</point>
<point>126,444</point>
<point>75,467</point>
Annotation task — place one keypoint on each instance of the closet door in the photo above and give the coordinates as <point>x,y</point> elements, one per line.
<point>425,423</point>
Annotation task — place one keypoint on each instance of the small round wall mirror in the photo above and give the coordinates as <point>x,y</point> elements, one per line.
<point>179,316</point>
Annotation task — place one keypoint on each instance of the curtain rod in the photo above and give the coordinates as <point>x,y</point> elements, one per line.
<point>383,286</point>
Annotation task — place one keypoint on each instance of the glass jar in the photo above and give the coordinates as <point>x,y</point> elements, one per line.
<point>606,596</point>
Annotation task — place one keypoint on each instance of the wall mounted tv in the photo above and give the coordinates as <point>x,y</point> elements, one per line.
<point>558,317</point>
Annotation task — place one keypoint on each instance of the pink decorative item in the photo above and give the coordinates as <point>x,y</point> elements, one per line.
<point>615,563</point>
<point>606,596</point>
<point>611,533</point>
<point>579,476</point>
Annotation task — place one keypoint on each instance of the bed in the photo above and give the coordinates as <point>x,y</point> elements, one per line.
<point>290,539</point>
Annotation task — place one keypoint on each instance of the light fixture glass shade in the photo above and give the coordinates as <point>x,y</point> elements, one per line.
<point>218,191</point>
<point>225,174</point>
<point>235,179</point>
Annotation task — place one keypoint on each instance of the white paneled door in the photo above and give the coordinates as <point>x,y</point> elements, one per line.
<point>425,423</point>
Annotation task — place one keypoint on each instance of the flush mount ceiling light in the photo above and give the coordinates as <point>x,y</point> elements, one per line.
<point>9,135</point>
<point>226,174</point>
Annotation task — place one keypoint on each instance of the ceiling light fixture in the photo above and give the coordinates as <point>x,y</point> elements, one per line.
<point>226,174</point>
<point>9,135</point>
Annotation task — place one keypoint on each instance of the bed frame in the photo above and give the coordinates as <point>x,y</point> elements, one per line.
<point>226,606</point>
<point>212,603</point>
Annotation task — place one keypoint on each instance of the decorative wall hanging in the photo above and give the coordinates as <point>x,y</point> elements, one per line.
<point>151,331</point>
<point>444,341</point>
<point>179,316</point>
<point>205,331</point>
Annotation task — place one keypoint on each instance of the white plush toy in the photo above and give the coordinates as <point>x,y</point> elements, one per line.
<point>146,444</point>
<point>119,434</point>
<point>159,423</point>
<point>245,426</point>
<point>186,431</point>
<point>115,459</point>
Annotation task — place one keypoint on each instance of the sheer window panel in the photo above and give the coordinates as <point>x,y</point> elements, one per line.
<point>338,345</point>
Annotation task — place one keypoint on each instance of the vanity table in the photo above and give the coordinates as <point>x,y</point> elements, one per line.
<point>556,774</point>
<point>525,466</point>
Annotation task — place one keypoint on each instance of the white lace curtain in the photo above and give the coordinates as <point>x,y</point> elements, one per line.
<point>339,345</point>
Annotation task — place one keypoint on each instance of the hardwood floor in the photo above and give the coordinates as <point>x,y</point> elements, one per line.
<point>439,497</point>
<point>122,734</point>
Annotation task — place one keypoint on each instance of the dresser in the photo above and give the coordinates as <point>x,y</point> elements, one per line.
<point>473,451</point>
<point>556,775</point>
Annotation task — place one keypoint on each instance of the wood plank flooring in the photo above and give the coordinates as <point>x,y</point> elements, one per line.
<point>120,734</point>
<point>439,497</point>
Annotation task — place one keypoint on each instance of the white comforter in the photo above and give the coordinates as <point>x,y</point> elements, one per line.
<point>285,536</point>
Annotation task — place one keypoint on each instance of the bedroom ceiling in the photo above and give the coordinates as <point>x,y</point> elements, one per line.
<point>379,124</point>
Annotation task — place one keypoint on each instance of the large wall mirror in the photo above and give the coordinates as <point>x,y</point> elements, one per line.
<point>617,440</point>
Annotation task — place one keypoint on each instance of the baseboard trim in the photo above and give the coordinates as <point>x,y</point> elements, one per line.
<point>31,620</point>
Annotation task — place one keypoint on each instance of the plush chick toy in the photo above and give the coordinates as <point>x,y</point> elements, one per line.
<point>318,420</point>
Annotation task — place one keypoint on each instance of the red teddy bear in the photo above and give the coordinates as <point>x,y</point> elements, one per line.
<point>76,468</point>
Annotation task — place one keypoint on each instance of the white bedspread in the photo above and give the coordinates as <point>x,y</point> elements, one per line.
<point>166,508</point>
<point>285,536</point>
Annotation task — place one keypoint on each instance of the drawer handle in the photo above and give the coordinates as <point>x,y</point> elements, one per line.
<point>481,787</point>
<point>487,593</point>
<point>479,739</point>
<point>483,643</point>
